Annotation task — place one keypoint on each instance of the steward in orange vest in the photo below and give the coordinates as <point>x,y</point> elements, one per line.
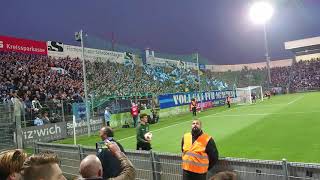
<point>193,107</point>
<point>228,101</point>
<point>199,153</point>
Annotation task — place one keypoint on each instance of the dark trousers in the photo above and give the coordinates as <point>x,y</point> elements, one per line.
<point>194,111</point>
<point>143,146</point>
<point>229,104</point>
<point>135,119</point>
<point>187,175</point>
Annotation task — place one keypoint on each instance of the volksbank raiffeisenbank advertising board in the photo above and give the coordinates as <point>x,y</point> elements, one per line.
<point>178,99</point>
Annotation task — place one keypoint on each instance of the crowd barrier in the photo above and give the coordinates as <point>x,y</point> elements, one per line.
<point>7,127</point>
<point>151,165</point>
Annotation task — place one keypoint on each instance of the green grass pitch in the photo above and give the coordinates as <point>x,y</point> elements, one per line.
<point>286,126</point>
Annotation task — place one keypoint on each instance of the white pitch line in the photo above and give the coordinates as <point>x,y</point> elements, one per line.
<point>176,124</point>
<point>297,99</point>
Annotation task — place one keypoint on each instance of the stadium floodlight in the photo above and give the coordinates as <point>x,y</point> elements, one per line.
<point>260,13</point>
<point>79,37</point>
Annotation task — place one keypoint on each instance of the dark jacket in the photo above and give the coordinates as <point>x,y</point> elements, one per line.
<point>110,164</point>
<point>127,171</point>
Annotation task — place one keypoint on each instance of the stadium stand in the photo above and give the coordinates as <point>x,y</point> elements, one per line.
<point>58,82</point>
<point>305,75</point>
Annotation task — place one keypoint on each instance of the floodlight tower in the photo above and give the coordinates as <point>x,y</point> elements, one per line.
<point>79,37</point>
<point>260,13</point>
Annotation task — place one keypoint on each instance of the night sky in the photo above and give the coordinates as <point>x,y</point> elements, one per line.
<point>219,30</point>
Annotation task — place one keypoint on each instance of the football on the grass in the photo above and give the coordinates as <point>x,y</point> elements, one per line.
<point>148,136</point>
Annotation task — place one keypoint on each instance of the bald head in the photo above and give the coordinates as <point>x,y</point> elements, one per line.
<point>196,127</point>
<point>90,167</point>
<point>196,123</point>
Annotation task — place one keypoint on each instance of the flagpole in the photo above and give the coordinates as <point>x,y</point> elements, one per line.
<point>85,83</point>
<point>201,106</point>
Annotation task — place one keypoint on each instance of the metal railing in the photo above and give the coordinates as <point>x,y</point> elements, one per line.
<point>157,165</point>
<point>7,127</point>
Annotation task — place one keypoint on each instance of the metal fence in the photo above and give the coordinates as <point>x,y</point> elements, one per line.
<point>7,127</point>
<point>54,111</point>
<point>165,166</point>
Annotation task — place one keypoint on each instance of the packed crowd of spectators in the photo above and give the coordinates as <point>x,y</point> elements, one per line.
<point>302,75</point>
<point>34,76</point>
<point>245,77</point>
<point>45,82</point>
<point>280,76</point>
<point>113,79</point>
<point>42,82</point>
<point>39,82</point>
<point>305,75</point>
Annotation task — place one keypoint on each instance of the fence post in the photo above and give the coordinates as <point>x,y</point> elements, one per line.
<point>17,120</point>
<point>24,118</point>
<point>156,166</point>
<point>81,153</point>
<point>35,148</point>
<point>285,169</point>
<point>153,166</point>
<point>62,108</point>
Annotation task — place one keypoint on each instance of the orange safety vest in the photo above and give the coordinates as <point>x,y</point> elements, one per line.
<point>194,157</point>
<point>193,104</point>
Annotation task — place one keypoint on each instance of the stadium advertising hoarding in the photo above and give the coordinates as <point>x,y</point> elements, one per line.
<point>45,133</point>
<point>178,99</point>
<point>57,49</point>
<point>10,44</point>
<point>82,127</point>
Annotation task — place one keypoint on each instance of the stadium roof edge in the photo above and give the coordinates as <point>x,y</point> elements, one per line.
<point>302,43</point>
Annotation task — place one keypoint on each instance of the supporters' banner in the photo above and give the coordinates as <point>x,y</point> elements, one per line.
<point>57,49</point>
<point>178,99</point>
<point>45,133</point>
<point>11,44</point>
<point>79,111</point>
